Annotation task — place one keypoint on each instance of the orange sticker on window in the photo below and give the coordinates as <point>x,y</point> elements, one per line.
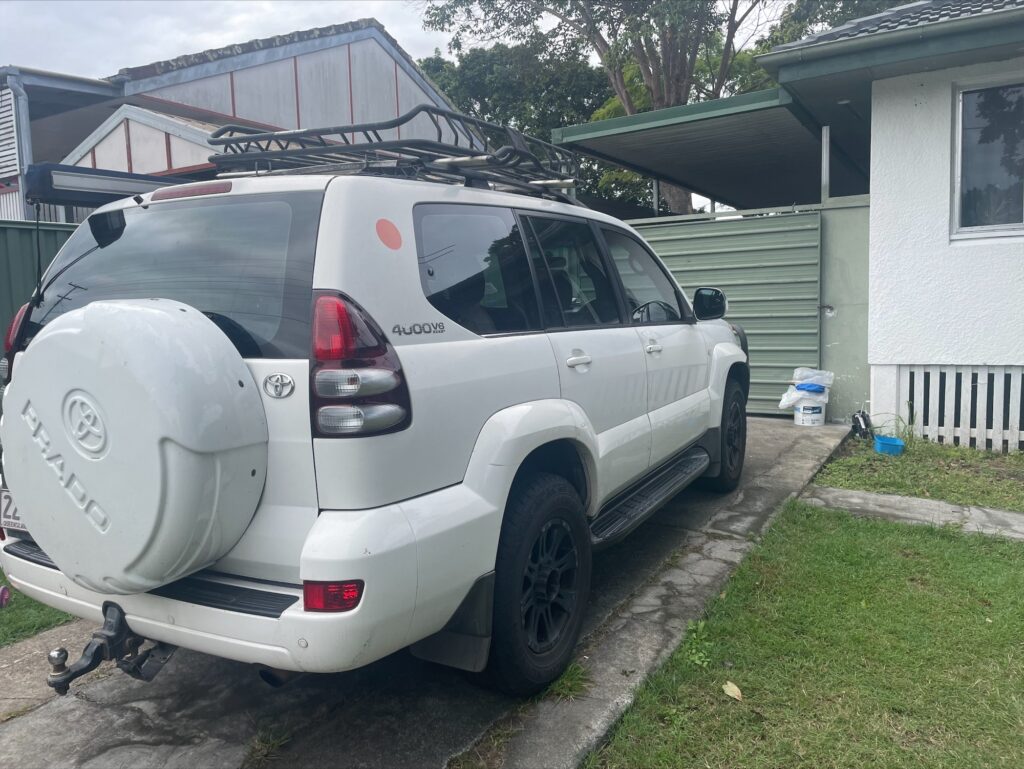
<point>389,234</point>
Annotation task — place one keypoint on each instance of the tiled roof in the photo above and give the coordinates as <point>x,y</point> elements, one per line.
<point>919,14</point>
<point>214,54</point>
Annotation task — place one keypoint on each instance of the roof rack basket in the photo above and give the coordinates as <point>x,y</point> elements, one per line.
<point>461,149</point>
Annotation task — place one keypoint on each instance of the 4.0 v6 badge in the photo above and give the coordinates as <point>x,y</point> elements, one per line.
<point>418,328</point>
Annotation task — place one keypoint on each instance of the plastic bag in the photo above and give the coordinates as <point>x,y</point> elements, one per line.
<point>813,376</point>
<point>793,396</point>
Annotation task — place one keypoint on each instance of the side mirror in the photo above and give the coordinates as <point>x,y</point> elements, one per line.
<point>709,304</point>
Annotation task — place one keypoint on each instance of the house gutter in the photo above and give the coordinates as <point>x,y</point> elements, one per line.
<point>22,129</point>
<point>774,60</point>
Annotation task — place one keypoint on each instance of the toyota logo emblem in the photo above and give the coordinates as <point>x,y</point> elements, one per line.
<point>278,385</point>
<point>84,425</point>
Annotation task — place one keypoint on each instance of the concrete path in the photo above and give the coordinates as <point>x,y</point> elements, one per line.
<point>401,712</point>
<point>983,520</point>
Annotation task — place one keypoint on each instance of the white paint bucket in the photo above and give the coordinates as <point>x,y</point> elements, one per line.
<point>808,413</point>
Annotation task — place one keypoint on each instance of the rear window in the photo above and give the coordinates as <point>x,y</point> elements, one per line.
<point>245,261</point>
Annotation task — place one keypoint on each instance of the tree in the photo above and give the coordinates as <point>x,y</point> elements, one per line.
<point>665,42</point>
<point>804,17</point>
<point>521,86</point>
<point>526,87</point>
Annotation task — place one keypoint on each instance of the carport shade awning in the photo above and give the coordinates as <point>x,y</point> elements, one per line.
<point>754,150</point>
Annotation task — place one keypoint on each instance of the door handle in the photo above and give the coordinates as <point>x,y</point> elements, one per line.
<point>653,347</point>
<point>577,360</point>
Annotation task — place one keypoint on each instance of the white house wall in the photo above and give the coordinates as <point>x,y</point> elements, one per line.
<point>149,149</point>
<point>352,82</point>
<point>111,152</point>
<point>8,135</point>
<point>186,154</point>
<point>945,314</point>
<point>267,93</point>
<point>934,300</point>
<point>210,93</point>
<point>323,79</point>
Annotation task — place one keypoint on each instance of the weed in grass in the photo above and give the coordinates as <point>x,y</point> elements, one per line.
<point>23,617</point>
<point>857,644</point>
<point>697,647</point>
<point>264,746</point>
<point>570,685</point>
<point>960,475</point>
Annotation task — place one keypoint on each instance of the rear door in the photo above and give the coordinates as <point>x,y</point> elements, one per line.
<point>246,262</point>
<point>676,355</point>
<point>600,363</point>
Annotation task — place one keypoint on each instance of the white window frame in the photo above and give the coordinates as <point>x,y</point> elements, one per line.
<point>957,232</point>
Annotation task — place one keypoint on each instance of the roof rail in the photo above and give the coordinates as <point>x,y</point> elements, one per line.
<point>462,149</point>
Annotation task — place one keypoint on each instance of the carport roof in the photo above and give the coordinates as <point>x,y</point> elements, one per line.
<point>753,150</point>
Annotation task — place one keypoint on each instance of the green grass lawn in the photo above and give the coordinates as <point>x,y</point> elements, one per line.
<point>855,643</point>
<point>24,617</point>
<point>963,476</point>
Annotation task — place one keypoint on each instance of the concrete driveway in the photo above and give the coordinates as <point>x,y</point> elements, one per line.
<point>400,712</point>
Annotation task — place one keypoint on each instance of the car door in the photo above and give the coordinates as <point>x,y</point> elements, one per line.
<point>678,402</point>
<point>600,365</point>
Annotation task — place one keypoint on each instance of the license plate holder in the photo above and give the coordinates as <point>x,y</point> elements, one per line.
<point>9,518</point>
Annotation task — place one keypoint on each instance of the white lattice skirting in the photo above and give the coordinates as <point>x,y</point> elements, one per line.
<point>978,406</point>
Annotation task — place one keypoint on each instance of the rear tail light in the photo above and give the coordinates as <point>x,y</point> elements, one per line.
<point>10,339</point>
<point>357,386</point>
<point>13,327</point>
<point>332,596</point>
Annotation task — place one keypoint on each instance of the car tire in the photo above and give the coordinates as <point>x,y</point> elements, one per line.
<point>733,437</point>
<point>542,583</point>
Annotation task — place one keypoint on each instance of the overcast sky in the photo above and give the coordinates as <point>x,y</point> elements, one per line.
<point>97,38</point>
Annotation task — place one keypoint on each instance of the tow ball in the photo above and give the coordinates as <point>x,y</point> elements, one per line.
<point>115,642</point>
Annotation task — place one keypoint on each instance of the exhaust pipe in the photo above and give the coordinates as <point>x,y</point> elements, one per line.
<point>278,678</point>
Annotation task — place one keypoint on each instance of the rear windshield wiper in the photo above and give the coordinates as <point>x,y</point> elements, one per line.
<point>106,228</point>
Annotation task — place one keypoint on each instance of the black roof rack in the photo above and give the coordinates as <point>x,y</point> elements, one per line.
<point>463,149</point>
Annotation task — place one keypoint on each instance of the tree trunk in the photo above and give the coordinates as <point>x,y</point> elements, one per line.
<point>679,200</point>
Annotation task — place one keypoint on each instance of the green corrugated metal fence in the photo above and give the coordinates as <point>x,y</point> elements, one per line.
<point>18,260</point>
<point>769,268</point>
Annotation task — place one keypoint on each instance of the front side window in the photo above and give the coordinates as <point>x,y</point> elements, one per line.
<point>583,290</point>
<point>991,190</point>
<point>650,294</point>
<point>473,268</point>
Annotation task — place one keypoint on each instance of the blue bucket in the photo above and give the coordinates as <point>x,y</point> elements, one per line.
<point>886,445</point>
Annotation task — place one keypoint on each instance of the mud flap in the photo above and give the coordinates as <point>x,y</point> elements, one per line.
<point>465,642</point>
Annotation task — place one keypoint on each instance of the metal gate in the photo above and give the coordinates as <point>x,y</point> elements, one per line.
<point>18,260</point>
<point>768,265</point>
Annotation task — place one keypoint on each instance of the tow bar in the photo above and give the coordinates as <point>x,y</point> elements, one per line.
<point>116,642</point>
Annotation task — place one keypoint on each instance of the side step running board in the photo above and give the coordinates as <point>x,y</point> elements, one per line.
<point>629,510</point>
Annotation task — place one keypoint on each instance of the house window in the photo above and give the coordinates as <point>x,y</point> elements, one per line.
<point>991,189</point>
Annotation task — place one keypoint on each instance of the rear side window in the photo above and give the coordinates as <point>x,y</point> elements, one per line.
<point>651,295</point>
<point>473,267</point>
<point>245,261</point>
<point>582,286</point>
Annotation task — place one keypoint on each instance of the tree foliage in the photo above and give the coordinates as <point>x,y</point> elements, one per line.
<point>521,86</point>
<point>528,88</point>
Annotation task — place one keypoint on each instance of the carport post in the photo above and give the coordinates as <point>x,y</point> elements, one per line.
<point>655,195</point>
<point>826,141</point>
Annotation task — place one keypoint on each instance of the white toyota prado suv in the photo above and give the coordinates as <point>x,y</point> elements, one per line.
<point>375,395</point>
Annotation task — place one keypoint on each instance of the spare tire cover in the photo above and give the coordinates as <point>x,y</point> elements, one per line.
<point>135,443</point>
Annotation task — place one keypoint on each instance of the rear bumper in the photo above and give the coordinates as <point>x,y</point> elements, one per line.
<point>375,546</point>
<point>418,560</point>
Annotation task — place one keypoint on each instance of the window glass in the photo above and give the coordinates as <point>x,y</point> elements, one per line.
<point>245,261</point>
<point>473,268</point>
<point>650,294</point>
<point>992,157</point>
<point>582,288</point>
